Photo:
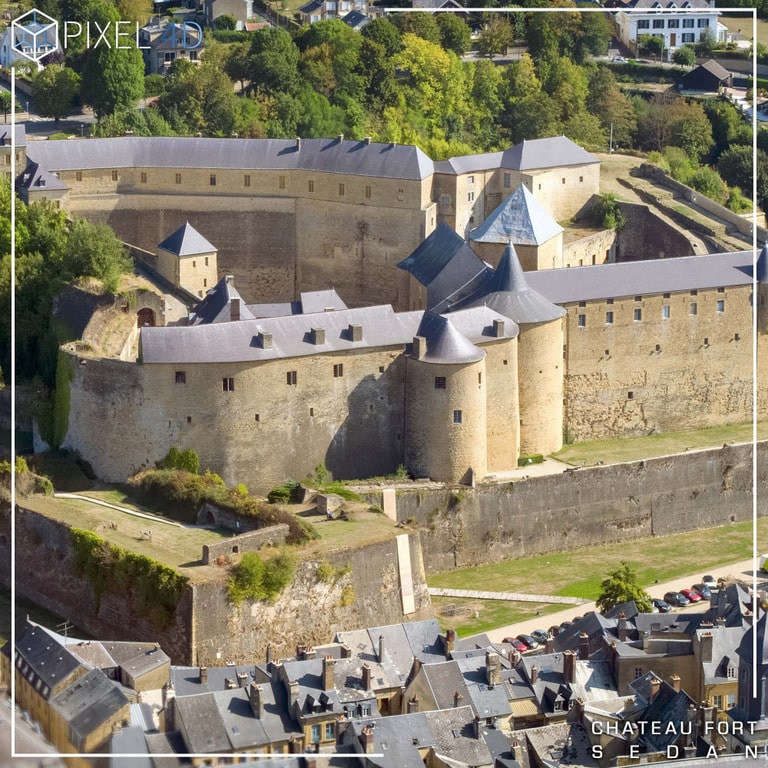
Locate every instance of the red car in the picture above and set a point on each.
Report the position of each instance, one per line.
(694, 597)
(518, 645)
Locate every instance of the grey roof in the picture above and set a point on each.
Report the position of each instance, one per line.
(186, 241)
(356, 19)
(669, 4)
(714, 68)
(643, 277)
(164, 747)
(434, 253)
(198, 717)
(469, 163)
(445, 344)
(321, 301)
(725, 641)
(129, 741)
(555, 152)
(88, 702)
(486, 701)
(47, 660)
(310, 7)
(35, 177)
(508, 292)
(445, 680)
(276, 309)
(216, 307)
(667, 706)
(20, 134)
(453, 730)
(394, 161)
(520, 219)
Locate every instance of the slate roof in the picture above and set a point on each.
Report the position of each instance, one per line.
(34, 176)
(394, 161)
(486, 701)
(47, 660)
(321, 301)
(129, 741)
(469, 163)
(762, 265)
(434, 253)
(445, 680)
(668, 706)
(186, 241)
(198, 717)
(216, 306)
(445, 344)
(508, 292)
(312, 6)
(555, 152)
(20, 133)
(643, 277)
(356, 19)
(455, 739)
(725, 641)
(521, 219)
(669, 4)
(715, 68)
(88, 702)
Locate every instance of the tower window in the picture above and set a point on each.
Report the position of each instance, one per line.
(311, 185)
(693, 309)
(507, 181)
(178, 178)
(247, 180)
(582, 321)
(114, 175)
(290, 378)
(609, 301)
(665, 312)
(341, 190)
(368, 192)
(638, 315)
(457, 417)
(721, 306)
(281, 182)
(338, 370)
(439, 382)
(609, 318)
(212, 180)
(228, 384)
(181, 377)
(143, 177)
(630, 395)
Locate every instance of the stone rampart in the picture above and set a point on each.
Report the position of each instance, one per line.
(252, 541)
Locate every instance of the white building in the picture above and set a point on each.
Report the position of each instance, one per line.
(679, 23)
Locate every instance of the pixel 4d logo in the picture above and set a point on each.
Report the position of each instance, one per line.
(35, 35)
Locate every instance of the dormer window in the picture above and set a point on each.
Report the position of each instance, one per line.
(730, 672)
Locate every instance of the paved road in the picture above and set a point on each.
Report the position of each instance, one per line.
(741, 570)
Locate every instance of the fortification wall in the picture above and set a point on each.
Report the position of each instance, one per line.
(253, 541)
(502, 404)
(691, 369)
(646, 236)
(598, 248)
(579, 508)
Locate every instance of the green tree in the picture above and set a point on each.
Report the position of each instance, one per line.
(274, 61)
(685, 56)
(735, 167)
(423, 25)
(185, 461)
(225, 21)
(455, 34)
(495, 36)
(650, 45)
(54, 90)
(692, 131)
(112, 79)
(385, 33)
(606, 100)
(5, 104)
(620, 586)
(236, 64)
(92, 250)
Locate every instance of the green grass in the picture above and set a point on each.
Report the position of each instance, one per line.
(650, 446)
(743, 23)
(578, 573)
(490, 614)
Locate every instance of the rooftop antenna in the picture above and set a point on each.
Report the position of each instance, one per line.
(64, 627)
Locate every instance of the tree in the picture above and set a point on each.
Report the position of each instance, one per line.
(606, 100)
(5, 104)
(692, 131)
(385, 33)
(422, 25)
(495, 36)
(620, 586)
(735, 166)
(54, 90)
(112, 79)
(135, 10)
(274, 61)
(685, 56)
(650, 45)
(92, 250)
(225, 21)
(455, 34)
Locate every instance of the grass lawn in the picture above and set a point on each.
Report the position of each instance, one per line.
(650, 446)
(578, 573)
(743, 23)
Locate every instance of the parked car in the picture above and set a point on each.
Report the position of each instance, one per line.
(660, 606)
(710, 581)
(703, 590)
(619, 59)
(693, 597)
(676, 598)
(531, 642)
(540, 636)
(555, 630)
(516, 644)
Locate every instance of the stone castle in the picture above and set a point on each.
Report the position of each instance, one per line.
(483, 362)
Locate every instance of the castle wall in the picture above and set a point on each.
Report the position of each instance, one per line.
(599, 248)
(125, 417)
(563, 191)
(548, 255)
(591, 506)
(631, 377)
(646, 236)
(502, 405)
(445, 432)
(540, 373)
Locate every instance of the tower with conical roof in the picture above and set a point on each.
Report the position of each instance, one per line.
(445, 431)
(187, 260)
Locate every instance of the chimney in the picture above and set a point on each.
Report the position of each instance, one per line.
(266, 340)
(203, 678)
(242, 679)
(293, 694)
(675, 680)
(234, 308)
(367, 141)
(415, 669)
(450, 634)
(578, 711)
(622, 627)
(720, 612)
(583, 646)
(492, 669)
(514, 656)
(229, 683)
(419, 347)
(413, 705)
(355, 332)
(381, 649)
(498, 328)
(705, 646)
(476, 727)
(655, 685)
(457, 697)
(534, 674)
(298, 142)
(318, 336)
(569, 666)
(229, 279)
(549, 643)
(257, 702)
(366, 739)
(367, 677)
(293, 745)
(328, 683)
(310, 654)
(346, 652)
(341, 137)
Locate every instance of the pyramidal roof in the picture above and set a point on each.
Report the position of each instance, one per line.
(521, 219)
(186, 241)
(216, 306)
(507, 292)
(445, 344)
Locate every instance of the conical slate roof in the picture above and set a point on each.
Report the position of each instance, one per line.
(444, 343)
(762, 265)
(520, 219)
(507, 292)
(186, 241)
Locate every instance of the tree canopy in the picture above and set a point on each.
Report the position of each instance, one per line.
(621, 586)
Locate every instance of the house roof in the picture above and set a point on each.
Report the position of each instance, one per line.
(200, 721)
(312, 6)
(445, 344)
(35, 177)
(46, 659)
(521, 219)
(186, 241)
(20, 134)
(320, 301)
(555, 152)
(682, 5)
(725, 642)
(356, 19)
(394, 161)
(643, 277)
(434, 253)
(715, 68)
(216, 307)
(486, 701)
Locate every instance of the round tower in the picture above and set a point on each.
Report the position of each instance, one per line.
(445, 432)
(762, 290)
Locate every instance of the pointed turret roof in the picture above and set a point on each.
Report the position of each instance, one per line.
(445, 344)
(186, 241)
(520, 219)
(507, 292)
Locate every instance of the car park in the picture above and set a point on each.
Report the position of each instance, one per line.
(693, 597)
(703, 590)
(710, 581)
(516, 644)
(530, 641)
(555, 630)
(677, 599)
(661, 606)
(539, 635)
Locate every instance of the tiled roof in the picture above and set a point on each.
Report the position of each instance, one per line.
(555, 152)
(520, 219)
(186, 241)
(394, 161)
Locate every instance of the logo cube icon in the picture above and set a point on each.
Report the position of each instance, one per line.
(34, 35)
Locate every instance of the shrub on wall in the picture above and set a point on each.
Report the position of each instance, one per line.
(254, 579)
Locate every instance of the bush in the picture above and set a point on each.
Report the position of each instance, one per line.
(154, 85)
(253, 579)
(57, 136)
(186, 460)
(531, 458)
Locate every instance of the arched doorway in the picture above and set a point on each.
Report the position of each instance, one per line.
(145, 317)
